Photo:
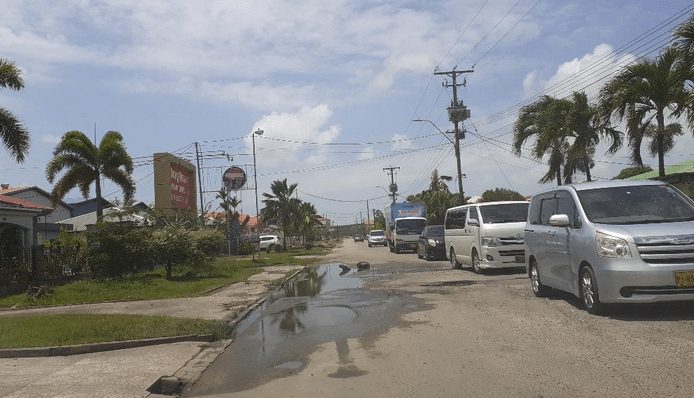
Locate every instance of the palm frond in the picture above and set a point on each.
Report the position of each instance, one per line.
(13, 135)
(10, 75)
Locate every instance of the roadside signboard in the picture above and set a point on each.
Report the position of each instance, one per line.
(234, 178)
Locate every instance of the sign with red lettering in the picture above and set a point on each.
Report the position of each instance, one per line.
(182, 189)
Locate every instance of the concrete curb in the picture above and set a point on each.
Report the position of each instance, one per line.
(189, 373)
(97, 347)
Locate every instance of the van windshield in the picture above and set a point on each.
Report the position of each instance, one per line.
(410, 227)
(502, 213)
(636, 205)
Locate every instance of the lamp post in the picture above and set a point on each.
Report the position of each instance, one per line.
(255, 179)
(456, 143)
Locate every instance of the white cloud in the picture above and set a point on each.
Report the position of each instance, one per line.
(586, 73)
(49, 139)
(226, 49)
(401, 142)
(287, 133)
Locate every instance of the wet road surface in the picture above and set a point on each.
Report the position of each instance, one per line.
(323, 304)
(412, 328)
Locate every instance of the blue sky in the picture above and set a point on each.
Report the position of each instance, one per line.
(168, 73)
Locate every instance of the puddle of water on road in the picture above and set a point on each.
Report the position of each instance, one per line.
(320, 306)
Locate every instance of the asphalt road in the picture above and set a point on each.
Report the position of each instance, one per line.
(411, 328)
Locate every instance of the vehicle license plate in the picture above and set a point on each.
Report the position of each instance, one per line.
(684, 279)
(520, 259)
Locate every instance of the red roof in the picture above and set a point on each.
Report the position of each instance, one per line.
(9, 201)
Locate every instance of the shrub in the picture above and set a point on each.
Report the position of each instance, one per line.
(210, 242)
(174, 248)
(118, 249)
(65, 256)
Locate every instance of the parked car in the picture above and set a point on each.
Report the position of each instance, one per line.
(612, 242)
(268, 242)
(377, 238)
(432, 244)
(486, 235)
(358, 238)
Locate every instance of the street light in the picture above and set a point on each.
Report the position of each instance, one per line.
(455, 143)
(255, 179)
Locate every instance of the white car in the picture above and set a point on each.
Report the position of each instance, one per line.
(377, 238)
(268, 241)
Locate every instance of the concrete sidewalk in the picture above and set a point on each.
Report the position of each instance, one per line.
(120, 373)
(129, 372)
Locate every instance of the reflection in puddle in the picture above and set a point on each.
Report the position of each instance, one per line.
(321, 306)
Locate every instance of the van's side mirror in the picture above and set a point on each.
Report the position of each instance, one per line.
(473, 223)
(559, 220)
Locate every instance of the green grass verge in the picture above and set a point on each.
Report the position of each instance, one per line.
(69, 329)
(152, 285)
(145, 286)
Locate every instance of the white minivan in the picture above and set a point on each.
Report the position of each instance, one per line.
(486, 235)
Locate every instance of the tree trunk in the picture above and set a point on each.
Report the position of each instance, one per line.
(588, 176)
(97, 189)
(168, 271)
(559, 176)
(661, 151)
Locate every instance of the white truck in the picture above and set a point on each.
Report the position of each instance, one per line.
(404, 224)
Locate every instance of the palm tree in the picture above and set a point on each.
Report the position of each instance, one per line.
(544, 120)
(84, 163)
(439, 183)
(585, 124)
(281, 206)
(671, 131)
(644, 91)
(12, 133)
(308, 219)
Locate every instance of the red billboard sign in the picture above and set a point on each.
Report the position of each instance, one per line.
(182, 187)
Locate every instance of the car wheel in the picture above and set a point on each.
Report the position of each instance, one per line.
(539, 290)
(476, 263)
(454, 261)
(589, 291)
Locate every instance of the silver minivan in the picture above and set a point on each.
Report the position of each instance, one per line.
(486, 235)
(612, 242)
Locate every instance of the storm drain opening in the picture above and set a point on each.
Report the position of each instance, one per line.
(167, 385)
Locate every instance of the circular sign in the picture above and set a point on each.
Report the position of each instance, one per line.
(234, 177)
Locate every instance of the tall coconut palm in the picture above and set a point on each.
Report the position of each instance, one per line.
(585, 124)
(281, 206)
(308, 219)
(544, 121)
(13, 135)
(84, 163)
(645, 91)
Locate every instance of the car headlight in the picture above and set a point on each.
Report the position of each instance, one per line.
(612, 246)
(491, 241)
(432, 242)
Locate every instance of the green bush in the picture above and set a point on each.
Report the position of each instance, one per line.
(64, 256)
(210, 242)
(115, 250)
(175, 249)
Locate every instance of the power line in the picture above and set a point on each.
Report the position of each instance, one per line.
(507, 32)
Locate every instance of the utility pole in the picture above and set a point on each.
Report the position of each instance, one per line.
(393, 186)
(197, 161)
(457, 113)
(368, 215)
